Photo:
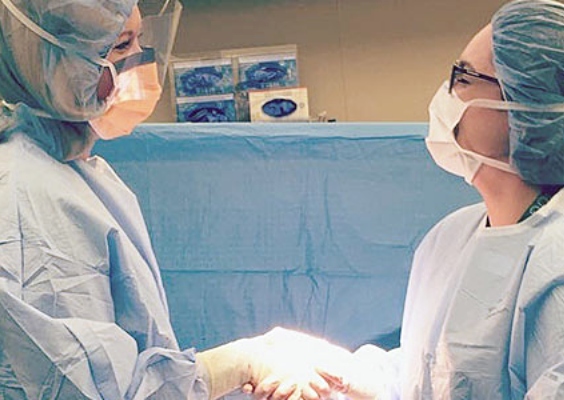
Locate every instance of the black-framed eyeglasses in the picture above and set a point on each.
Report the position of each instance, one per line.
(459, 69)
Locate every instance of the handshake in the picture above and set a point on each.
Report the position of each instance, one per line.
(285, 364)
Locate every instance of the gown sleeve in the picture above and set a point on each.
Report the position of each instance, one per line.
(62, 358)
(544, 343)
(378, 369)
(83, 313)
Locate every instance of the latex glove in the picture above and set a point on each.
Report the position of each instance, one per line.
(269, 366)
(305, 353)
(364, 376)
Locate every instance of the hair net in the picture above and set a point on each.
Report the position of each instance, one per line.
(528, 52)
(59, 79)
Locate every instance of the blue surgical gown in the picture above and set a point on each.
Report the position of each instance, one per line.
(83, 313)
(484, 312)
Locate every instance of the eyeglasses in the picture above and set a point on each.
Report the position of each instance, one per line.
(458, 70)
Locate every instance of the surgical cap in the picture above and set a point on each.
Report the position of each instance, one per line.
(528, 55)
(58, 79)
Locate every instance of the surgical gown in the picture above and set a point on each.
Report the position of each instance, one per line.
(484, 312)
(83, 314)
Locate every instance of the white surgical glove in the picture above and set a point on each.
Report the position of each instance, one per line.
(273, 365)
(306, 354)
(363, 376)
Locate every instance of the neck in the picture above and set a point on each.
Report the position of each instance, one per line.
(80, 145)
(505, 194)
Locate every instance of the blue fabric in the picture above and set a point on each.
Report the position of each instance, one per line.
(311, 226)
(483, 314)
(83, 313)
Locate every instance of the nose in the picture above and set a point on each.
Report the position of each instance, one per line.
(135, 46)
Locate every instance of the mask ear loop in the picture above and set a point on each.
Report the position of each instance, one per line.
(492, 162)
(513, 106)
(508, 106)
(504, 105)
(497, 105)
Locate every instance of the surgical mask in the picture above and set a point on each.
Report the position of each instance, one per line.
(134, 97)
(445, 112)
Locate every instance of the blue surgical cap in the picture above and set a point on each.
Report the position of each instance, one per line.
(528, 55)
(59, 79)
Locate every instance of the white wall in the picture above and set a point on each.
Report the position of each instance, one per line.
(362, 60)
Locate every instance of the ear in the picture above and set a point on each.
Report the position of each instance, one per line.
(105, 84)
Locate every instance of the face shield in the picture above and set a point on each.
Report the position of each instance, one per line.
(136, 80)
(53, 52)
(160, 23)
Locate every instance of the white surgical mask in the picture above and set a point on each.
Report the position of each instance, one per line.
(445, 111)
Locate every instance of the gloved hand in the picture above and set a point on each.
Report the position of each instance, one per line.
(277, 365)
(301, 353)
(361, 376)
(364, 376)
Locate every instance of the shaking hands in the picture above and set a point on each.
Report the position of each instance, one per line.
(293, 365)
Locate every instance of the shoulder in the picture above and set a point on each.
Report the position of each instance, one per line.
(455, 228)
(9, 229)
(545, 262)
(473, 214)
(547, 246)
(98, 166)
(443, 244)
(25, 169)
(41, 178)
(46, 193)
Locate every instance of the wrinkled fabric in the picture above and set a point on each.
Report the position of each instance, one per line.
(83, 313)
(59, 79)
(528, 55)
(484, 310)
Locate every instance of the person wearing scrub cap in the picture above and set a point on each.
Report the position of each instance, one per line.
(484, 311)
(83, 313)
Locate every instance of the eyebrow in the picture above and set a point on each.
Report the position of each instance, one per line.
(465, 64)
(126, 34)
